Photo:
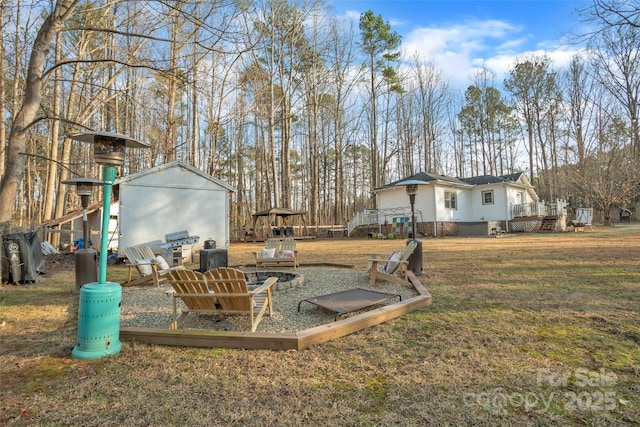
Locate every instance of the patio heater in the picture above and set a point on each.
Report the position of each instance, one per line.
(99, 309)
(86, 258)
(415, 259)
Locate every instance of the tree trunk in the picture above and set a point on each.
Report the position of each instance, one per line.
(195, 119)
(170, 145)
(3, 96)
(374, 129)
(28, 112)
(53, 140)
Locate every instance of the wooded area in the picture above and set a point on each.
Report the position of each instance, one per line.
(299, 108)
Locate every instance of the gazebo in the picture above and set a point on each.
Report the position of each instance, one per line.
(279, 228)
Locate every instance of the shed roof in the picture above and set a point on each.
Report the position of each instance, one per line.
(173, 164)
(70, 216)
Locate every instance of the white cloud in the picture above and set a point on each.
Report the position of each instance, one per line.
(461, 49)
(395, 22)
(456, 48)
(512, 44)
(352, 14)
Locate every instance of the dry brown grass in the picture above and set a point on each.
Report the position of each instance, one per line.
(523, 330)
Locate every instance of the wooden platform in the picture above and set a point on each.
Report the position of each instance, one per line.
(264, 239)
(271, 341)
(300, 264)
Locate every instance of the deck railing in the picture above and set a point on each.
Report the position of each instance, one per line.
(538, 208)
(365, 217)
(379, 216)
(533, 209)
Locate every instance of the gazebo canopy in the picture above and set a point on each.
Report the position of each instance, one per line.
(284, 213)
(279, 212)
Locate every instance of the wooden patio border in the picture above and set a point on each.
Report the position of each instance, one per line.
(272, 341)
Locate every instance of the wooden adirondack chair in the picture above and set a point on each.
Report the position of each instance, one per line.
(389, 267)
(150, 268)
(230, 287)
(191, 287)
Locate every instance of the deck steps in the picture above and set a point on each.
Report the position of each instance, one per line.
(548, 224)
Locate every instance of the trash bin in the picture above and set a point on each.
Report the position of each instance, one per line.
(86, 267)
(14, 266)
(213, 258)
(23, 259)
(415, 259)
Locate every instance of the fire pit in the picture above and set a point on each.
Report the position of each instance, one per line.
(286, 279)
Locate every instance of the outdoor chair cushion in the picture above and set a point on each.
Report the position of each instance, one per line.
(161, 263)
(388, 267)
(287, 254)
(144, 267)
(392, 263)
(268, 253)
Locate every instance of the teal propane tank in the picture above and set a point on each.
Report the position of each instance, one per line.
(98, 321)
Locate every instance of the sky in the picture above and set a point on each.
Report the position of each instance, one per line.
(461, 36)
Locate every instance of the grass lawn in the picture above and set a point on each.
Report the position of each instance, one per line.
(528, 329)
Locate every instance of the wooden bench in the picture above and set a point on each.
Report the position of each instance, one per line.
(334, 232)
(284, 254)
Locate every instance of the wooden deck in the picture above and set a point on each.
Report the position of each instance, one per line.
(263, 239)
(270, 341)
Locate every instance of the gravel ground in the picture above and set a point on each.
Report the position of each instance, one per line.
(152, 307)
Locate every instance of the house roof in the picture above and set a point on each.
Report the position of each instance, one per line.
(517, 179)
(490, 179)
(175, 163)
(426, 178)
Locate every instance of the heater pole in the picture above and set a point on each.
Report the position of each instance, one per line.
(99, 308)
(108, 177)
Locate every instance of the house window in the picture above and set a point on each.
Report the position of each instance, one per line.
(450, 200)
(487, 197)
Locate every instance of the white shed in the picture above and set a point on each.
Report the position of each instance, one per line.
(171, 198)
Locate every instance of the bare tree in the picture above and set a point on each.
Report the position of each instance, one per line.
(27, 113)
(432, 93)
(609, 177)
(612, 13)
(578, 89)
(340, 61)
(53, 137)
(3, 92)
(615, 58)
(533, 85)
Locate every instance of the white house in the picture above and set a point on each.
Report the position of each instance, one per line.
(171, 198)
(455, 206)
